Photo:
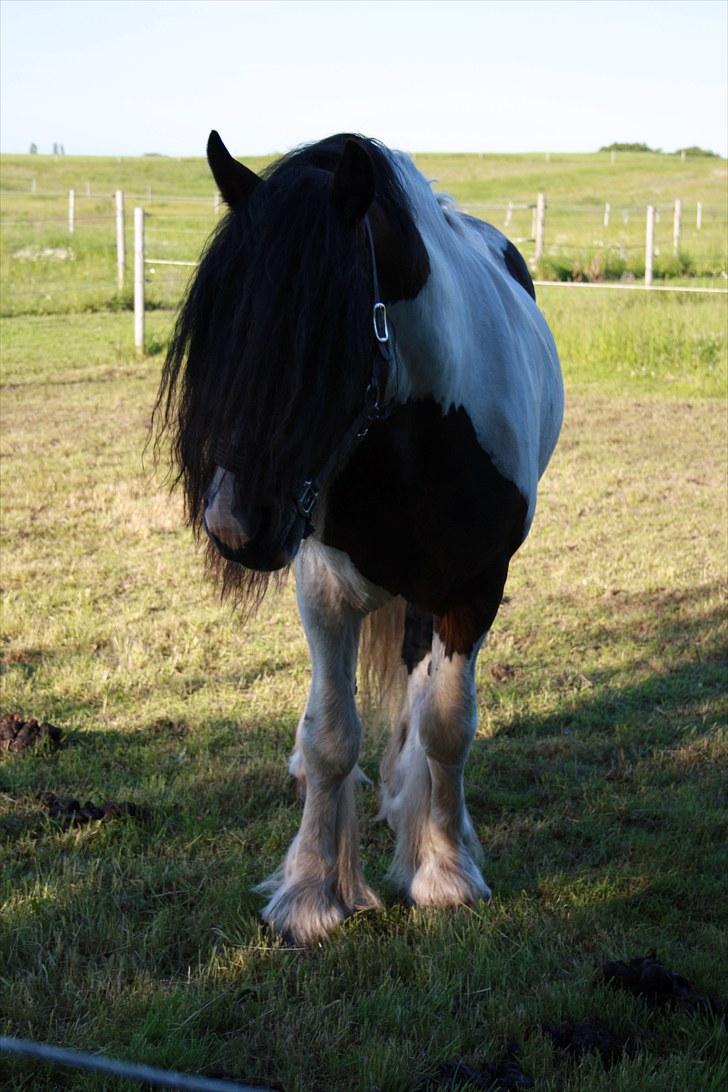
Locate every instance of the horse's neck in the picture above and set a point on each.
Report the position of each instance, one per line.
(435, 333)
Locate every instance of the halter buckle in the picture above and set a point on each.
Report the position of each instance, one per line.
(379, 320)
(307, 500)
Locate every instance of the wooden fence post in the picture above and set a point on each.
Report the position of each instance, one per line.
(216, 203)
(677, 225)
(120, 240)
(509, 214)
(699, 216)
(33, 184)
(607, 210)
(649, 244)
(540, 225)
(71, 211)
(139, 280)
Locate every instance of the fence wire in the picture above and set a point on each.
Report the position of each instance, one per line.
(74, 271)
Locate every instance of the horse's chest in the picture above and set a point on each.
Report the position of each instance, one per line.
(422, 511)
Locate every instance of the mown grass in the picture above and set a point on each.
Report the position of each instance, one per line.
(597, 781)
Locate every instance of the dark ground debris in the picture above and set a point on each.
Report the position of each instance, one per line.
(503, 672)
(591, 1036)
(645, 977)
(19, 734)
(69, 812)
(458, 1075)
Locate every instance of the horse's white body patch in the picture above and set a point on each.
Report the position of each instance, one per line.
(339, 577)
(474, 338)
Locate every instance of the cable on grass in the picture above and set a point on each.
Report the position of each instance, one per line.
(99, 1063)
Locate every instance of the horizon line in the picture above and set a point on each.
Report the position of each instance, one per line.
(703, 153)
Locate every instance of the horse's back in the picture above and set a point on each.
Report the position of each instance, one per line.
(513, 260)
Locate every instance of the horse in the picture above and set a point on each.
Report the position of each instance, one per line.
(360, 385)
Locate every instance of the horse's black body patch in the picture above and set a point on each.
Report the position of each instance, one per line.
(516, 266)
(417, 641)
(422, 511)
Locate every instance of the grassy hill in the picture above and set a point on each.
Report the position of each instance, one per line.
(633, 177)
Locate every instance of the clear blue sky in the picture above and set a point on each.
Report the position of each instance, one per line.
(131, 76)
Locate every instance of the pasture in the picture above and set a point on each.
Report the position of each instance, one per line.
(597, 781)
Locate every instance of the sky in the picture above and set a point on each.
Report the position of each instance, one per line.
(128, 77)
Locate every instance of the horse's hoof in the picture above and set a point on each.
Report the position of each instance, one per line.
(444, 882)
(304, 913)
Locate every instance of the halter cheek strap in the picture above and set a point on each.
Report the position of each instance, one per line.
(373, 409)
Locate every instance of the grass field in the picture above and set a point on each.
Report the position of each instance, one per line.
(597, 781)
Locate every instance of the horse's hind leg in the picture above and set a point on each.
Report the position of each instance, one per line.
(437, 854)
(321, 882)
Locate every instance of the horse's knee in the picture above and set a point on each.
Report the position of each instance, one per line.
(330, 746)
(446, 735)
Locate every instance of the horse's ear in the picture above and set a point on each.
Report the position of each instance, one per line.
(354, 183)
(234, 181)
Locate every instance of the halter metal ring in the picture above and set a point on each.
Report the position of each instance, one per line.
(306, 502)
(379, 319)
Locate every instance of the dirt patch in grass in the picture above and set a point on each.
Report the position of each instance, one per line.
(645, 977)
(504, 672)
(505, 1075)
(69, 812)
(590, 1036)
(19, 734)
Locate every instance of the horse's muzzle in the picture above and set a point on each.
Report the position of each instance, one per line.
(264, 538)
(264, 557)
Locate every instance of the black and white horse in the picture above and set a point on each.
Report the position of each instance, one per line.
(360, 380)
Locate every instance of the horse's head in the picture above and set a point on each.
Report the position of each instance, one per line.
(271, 363)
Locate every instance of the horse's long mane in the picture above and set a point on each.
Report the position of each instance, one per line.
(272, 349)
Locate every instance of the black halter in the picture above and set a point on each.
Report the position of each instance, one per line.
(373, 410)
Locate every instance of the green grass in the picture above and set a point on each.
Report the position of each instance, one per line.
(619, 342)
(596, 782)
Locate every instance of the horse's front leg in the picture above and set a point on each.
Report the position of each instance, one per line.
(437, 855)
(320, 882)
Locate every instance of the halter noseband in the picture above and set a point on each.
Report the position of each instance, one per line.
(373, 410)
